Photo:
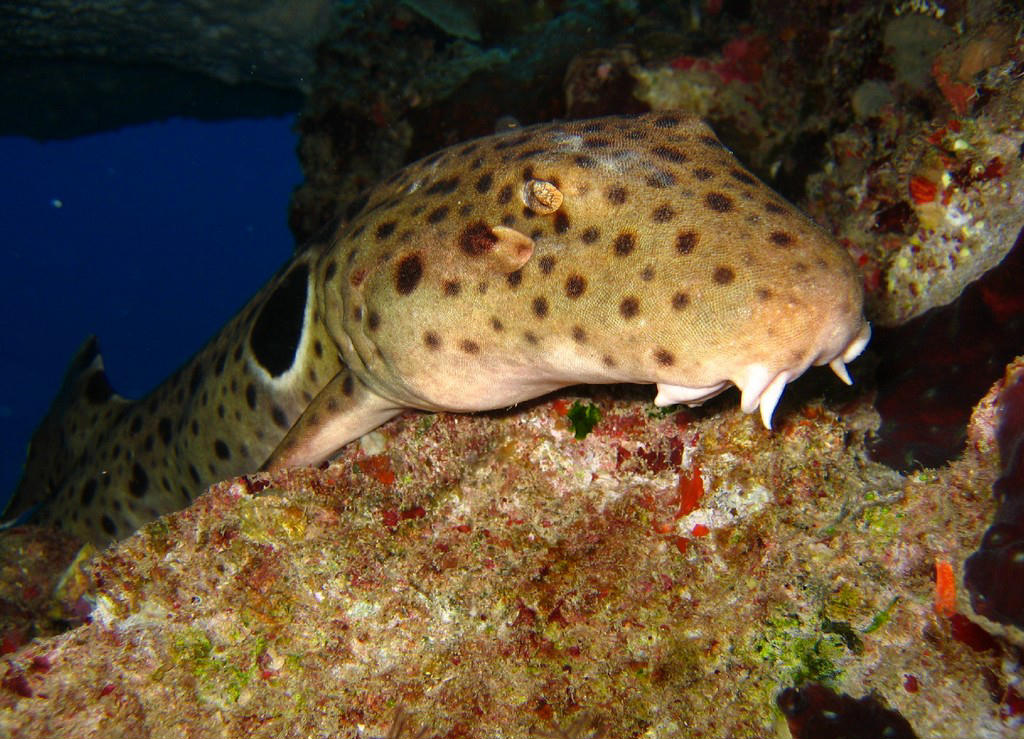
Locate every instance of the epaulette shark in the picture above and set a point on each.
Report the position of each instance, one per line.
(623, 249)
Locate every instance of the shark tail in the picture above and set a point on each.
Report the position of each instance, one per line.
(84, 408)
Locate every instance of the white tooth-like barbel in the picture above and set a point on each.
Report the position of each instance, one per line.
(840, 369)
(624, 249)
(770, 398)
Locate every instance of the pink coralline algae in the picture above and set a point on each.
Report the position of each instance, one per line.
(994, 574)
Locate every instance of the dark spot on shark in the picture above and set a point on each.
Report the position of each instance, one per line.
(629, 307)
(617, 195)
(220, 448)
(438, 214)
(250, 396)
(670, 154)
(275, 335)
(723, 275)
(530, 153)
(477, 239)
(625, 242)
(108, 525)
(663, 213)
(664, 357)
(196, 378)
(164, 429)
(686, 241)
(278, 416)
(660, 179)
(740, 176)
(575, 285)
(138, 483)
(88, 492)
(408, 273)
(540, 307)
(443, 187)
(561, 222)
(718, 202)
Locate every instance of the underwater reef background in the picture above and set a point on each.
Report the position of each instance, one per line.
(665, 573)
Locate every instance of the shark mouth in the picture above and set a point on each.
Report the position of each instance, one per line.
(761, 387)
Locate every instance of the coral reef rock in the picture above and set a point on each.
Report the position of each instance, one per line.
(670, 574)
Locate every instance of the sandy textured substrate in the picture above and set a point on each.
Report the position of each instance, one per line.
(666, 576)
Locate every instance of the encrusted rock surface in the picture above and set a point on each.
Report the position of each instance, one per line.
(667, 576)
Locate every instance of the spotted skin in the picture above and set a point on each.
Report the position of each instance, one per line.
(626, 249)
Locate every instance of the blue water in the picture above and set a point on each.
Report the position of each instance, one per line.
(150, 237)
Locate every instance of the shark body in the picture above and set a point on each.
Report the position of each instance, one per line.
(624, 249)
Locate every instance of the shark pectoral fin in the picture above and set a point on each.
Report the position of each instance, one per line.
(344, 410)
